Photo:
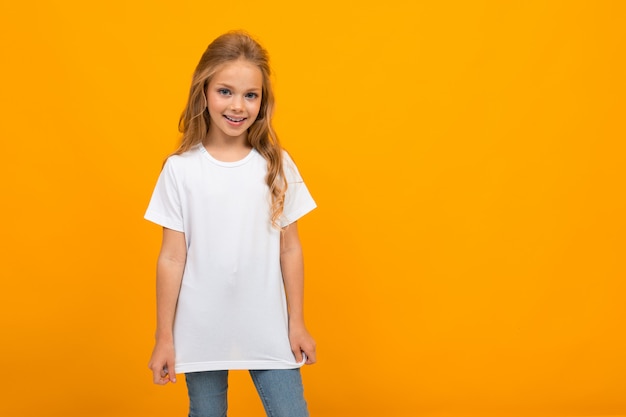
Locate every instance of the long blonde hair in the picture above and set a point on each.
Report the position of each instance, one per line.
(195, 120)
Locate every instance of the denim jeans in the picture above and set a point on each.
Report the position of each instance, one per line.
(280, 390)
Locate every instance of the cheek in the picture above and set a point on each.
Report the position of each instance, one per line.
(212, 99)
(214, 104)
(255, 109)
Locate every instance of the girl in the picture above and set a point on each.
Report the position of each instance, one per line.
(230, 272)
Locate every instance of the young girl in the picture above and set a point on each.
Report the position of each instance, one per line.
(230, 272)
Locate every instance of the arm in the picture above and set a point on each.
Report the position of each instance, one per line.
(292, 266)
(170, 266)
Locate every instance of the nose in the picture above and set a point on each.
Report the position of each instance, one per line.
(237, 103)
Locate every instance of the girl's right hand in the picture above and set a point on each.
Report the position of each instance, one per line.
(162, 363)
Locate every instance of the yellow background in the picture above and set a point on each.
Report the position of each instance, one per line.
(467, 255)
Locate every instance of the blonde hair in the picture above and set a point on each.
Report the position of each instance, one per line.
(195, 120)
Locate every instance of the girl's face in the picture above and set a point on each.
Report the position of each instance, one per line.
(234, 100)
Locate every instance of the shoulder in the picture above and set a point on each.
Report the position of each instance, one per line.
(287, 159)
(290, 169)
(178, 162)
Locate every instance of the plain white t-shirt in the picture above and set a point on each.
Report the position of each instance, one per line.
(231, 311)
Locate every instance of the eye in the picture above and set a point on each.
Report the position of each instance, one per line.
(223, 91)
(251, 96)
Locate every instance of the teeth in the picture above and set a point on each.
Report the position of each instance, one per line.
(235, 120)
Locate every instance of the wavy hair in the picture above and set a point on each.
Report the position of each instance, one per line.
(195, 120)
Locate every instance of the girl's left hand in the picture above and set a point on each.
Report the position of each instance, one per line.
(302, 342)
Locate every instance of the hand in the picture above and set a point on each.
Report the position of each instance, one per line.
(302, 342)
(162, 363)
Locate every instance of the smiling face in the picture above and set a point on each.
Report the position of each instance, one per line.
(233, 100)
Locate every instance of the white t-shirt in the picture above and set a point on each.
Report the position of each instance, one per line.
(231, 311)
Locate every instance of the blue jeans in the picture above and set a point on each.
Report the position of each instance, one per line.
(280, 390)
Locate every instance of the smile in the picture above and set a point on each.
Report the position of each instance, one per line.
(235, 120)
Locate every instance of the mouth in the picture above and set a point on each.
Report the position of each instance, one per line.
(235, 119)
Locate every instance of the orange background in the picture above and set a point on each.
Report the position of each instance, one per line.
(467, 255)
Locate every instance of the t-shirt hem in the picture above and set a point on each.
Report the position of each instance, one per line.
(163, 221)
(297, 215)
(185, 368)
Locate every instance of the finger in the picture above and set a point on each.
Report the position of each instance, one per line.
(311, 355)
(297, 352)
(157, 376)
(171, 371)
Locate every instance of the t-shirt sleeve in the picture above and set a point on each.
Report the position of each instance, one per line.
(298, 200)
(165, 208)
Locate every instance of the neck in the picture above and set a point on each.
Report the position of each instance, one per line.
(227, 148)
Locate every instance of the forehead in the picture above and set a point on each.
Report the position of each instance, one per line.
(240, 73)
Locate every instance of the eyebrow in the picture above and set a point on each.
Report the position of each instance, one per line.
(232, 88)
